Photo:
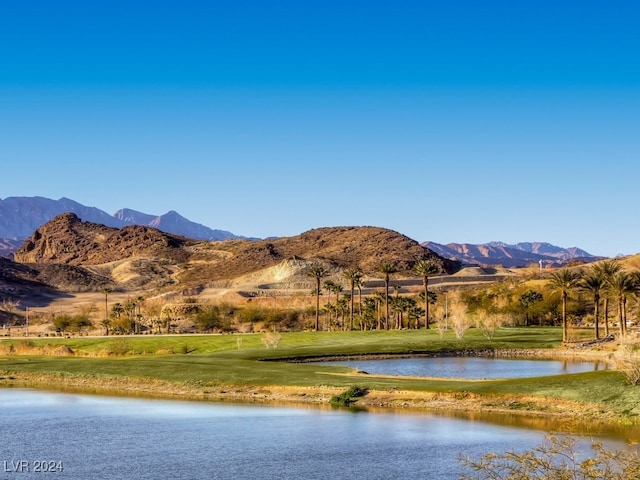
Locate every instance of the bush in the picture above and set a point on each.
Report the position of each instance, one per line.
(558, 458)
(121, 346)
(349, 396)
(627, 360)
(271, 339)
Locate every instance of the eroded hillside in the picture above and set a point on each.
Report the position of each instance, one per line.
(75, 255)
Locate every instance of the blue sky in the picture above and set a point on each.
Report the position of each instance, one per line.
(459, 121)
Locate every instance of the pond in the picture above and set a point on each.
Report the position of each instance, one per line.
(468, 367)
(93, 437)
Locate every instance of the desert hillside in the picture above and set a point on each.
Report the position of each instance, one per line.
(72, 255)
(68, 240)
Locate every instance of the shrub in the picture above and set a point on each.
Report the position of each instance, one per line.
(627, 360)
(121, 346)
(349, 396)
(271, 339)
(558, 458)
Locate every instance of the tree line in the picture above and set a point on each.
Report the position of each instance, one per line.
(600, 295)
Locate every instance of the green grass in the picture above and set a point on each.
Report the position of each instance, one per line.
(226, 360)
(307, 344)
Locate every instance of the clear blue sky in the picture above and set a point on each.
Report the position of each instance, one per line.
(462, 121)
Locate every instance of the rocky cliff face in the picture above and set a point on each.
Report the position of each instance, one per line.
(68, 240)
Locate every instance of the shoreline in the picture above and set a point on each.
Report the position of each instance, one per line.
(526, 411)
(532, 411)
(524, 408)
(567, 353)
(389, 399)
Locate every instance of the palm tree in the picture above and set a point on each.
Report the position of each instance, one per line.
(337, 288)
(331, 287)
(105, 323)
(621, 285)
(318, 272)
(106, 291)
(396, 290)
(353, 275)
(607, 268)
(564, 280)
(369, 309)
(386, 269)
(379, 299)
(594, 283)
(359, 285)
(139, 301)
(424, 268)
(527, 299)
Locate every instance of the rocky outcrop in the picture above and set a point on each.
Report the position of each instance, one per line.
(337, 247)
(68, 240)
(20, 216)
(135, 257)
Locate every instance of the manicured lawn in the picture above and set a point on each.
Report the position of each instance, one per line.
(310, 343)
(240, 360)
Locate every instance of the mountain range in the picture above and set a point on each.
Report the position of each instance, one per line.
(516, 255)
(21, 216)
(69, 255)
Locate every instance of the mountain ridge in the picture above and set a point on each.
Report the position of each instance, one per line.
(71, 250)
(511, 255)
(21, 216)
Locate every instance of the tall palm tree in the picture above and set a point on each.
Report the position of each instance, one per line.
(607, 268)
(379, 299)
(337, 289)
(318, 272)
(359, 285)
(621, 285)
(331, 287)
(594, 283)
(353, 275)
(106, 291)
(564, 281)
(424, 268)
(386, 269)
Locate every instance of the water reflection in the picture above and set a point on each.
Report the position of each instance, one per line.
(469, 367)
(122, 438)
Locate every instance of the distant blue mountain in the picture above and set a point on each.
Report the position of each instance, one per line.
(517, 255)
(21, 216)
(173, 222)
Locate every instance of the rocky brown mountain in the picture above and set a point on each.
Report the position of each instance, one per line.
(341, 247)
(68, 240)
(143, 257)
(20, 216)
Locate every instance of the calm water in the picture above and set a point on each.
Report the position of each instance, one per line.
(120, 438)
(469, 367)
(94, 437)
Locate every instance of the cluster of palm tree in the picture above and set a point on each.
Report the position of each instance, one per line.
(605, 281)
(399, 305)
(123, 317)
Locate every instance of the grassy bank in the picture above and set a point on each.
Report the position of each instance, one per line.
(236, 368)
